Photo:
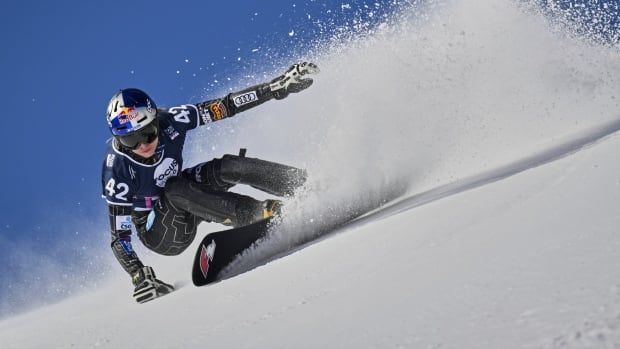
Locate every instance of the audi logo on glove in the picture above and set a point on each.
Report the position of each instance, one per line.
(245, 98)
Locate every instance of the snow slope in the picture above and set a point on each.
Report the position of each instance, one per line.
(528, 261)
(499, 139)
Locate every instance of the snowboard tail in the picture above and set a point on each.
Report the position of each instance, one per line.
(219, 249)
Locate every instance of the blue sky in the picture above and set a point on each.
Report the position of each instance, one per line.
(61, 62)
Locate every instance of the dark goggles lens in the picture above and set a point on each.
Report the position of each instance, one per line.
(144, 135)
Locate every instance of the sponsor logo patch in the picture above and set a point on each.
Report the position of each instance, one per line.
(245, 98)
(126, 246)
(123, 223)
(205, 115)
(171, 132)
(206, 257)
(126, 114)
(110, 160)
(169, 167)
(218, 111)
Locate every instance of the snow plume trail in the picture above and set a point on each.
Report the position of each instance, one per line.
(447, 91)
(573, 145)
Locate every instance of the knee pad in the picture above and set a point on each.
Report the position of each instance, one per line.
(208, 174)
(231, 168)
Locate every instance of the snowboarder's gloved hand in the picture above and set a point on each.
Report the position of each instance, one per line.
(148, 287)
(291, 81)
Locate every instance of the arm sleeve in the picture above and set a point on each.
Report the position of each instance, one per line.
(118, 190)
(233, 103)
(120, 228)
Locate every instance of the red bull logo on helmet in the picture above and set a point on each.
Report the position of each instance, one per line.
(126, 114)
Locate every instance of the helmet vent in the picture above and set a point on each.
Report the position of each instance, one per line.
(142, 119)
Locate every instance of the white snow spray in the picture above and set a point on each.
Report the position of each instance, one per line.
(441, 91)
(43, 271)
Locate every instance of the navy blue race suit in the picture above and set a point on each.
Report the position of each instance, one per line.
(164, 203)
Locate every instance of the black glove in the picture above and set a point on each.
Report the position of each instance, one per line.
(291, 81)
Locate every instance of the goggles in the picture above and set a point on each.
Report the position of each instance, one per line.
(144, 135)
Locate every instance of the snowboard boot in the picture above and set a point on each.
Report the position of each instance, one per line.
(147, 286)
(251, 211)
(272, 208)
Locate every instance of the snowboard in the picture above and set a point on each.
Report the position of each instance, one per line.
(219, 249)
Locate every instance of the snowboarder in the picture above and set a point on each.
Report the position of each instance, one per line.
(148, 190)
